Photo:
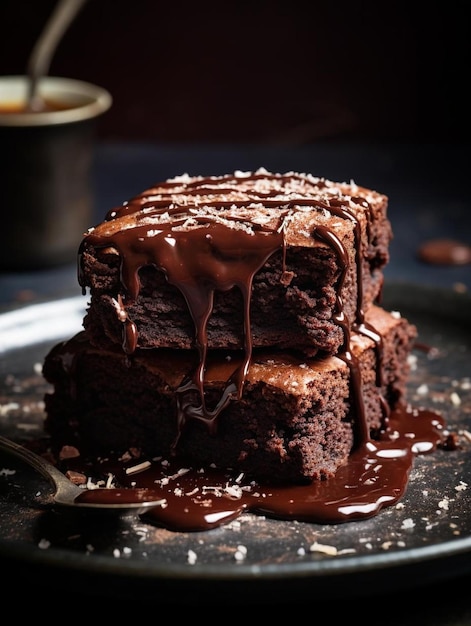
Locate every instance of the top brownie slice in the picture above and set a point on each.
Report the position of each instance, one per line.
(250, 259)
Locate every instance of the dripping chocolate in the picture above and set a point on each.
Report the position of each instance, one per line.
(235, 325)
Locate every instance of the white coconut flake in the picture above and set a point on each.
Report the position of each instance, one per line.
(191, 557)
(408, 524)
(323, 548)
(140, 467)
(466, 434)
(422, 390)
(9, 406)
(183, 178)
(7, 472)
(455, 399)
(241, 553)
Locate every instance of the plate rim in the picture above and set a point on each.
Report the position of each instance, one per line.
(339, 565)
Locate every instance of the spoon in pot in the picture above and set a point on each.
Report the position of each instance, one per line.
(43, 51)
(67, 494)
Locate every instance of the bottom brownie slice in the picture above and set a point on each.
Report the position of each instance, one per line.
(296, 421)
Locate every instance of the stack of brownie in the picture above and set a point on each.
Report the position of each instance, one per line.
(234, 321)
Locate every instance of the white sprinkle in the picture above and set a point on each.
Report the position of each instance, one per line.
(407, 524)
(325, 549)
(140, 467)
(44, 544)
(109, 481)
(466, 434)
(235, 525)
(240, 553)
(191, 557)
(422, 390)
(455, 399)
(10, 406)
(7, 472)
(125, 457)
(233, 491)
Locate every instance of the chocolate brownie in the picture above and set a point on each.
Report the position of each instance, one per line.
(296, 419)
(247, 259)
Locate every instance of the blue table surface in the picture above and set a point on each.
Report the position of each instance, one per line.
(426, 185)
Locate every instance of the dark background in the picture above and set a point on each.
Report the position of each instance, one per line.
(261, 71)
(312, 75)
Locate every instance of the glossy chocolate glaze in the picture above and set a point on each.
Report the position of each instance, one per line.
(179, 228)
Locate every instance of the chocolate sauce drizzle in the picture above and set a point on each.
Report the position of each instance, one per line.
(223, 258)
(200, 252)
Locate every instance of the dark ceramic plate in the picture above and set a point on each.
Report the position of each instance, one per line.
(426, 538)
